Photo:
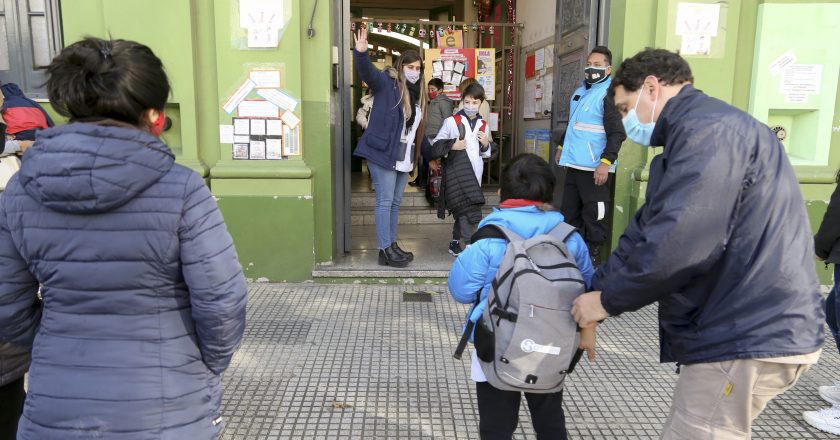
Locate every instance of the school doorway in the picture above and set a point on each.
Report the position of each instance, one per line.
(451, 50)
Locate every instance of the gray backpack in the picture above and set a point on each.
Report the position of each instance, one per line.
(526, 339)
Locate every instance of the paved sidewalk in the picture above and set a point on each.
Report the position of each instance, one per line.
(356, 362)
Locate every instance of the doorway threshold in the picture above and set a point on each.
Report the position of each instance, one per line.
(428, 242)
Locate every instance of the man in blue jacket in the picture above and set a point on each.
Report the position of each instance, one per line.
(589, 151)
(723, 243)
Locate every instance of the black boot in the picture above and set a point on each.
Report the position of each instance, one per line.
(408, 255)
(390, 257)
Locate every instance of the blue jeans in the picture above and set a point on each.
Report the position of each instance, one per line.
(832, 307)
(389, 186)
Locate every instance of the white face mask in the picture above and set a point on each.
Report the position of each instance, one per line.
(471, 110)
(411, 75)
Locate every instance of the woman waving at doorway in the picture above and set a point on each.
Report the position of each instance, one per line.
(393, 139)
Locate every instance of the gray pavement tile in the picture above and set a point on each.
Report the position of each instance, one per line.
(357, 362)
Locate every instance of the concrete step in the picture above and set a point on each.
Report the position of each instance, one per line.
(410, 199)
(409, 215)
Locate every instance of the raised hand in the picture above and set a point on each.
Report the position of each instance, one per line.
(361, 38)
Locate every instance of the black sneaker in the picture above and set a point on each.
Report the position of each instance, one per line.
(454, 248)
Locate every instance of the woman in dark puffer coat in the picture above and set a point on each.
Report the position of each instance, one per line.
(143, 295)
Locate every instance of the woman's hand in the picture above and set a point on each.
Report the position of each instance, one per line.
(434, 165)
(361, 38)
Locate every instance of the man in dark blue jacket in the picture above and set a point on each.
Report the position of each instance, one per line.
(723, 244)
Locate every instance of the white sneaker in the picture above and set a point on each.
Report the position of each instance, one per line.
(827, 419)
(831, 393)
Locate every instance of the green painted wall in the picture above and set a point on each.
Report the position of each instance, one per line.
(279, 212)
(726, 74)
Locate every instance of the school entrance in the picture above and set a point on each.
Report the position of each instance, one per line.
(457, 39)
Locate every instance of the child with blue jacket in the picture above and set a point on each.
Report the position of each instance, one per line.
(527, 186)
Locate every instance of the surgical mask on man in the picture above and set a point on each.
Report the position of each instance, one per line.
(593, 74)
(471, 110)
(636, 131)
(412, 75)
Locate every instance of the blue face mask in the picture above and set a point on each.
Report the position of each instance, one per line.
(636, 131)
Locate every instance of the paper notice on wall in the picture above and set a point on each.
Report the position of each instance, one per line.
(456, 78)
(258, 109)
(291, 141)
(437, 68)
(530, 99)
(225, 134)
(241, 93)
(459, 67)
(539, 59)
(263, 37)
(548, 89)
(241, 127)
(538, 91)
(290, 119)
(257, 127)
(278, 98)
(240, 151)
(241, 139)
(266, 78)
(696, 45)
(779, 64)
(549, 56)
(486, 71)
(274, 149)
(274, 127)
(796, 98)
(698, 19)
(256, 150)
(801, 79)
(494, 121)
(261, 13)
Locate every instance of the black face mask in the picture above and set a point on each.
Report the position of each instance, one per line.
(594, 75)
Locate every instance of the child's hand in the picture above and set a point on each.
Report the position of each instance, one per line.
(460, 144)
(482, 138)
(587, 342)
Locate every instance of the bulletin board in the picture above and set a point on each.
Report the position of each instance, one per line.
(263, 120)
(453, 65)
(539, 83)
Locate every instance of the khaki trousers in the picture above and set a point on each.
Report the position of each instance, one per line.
(720, 400)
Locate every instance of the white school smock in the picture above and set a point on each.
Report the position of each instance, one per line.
(449, 130)
(406, 165)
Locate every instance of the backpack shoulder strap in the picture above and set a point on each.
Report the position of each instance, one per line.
(495, 231)
(563, 231)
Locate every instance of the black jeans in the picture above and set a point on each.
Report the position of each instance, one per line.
(463, 229)
(11, 406)
(498, 413)
(586, 205)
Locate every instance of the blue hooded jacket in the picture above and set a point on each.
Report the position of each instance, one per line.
(143, 295)
(475, 268)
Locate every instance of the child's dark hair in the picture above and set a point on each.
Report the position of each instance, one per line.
(474, 91)
(115, 79)
(436, 82)
(528, 177)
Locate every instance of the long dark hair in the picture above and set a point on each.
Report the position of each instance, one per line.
(116, 79)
